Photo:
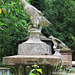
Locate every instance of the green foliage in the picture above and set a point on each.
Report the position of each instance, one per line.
(61, 14)
(13, 27)
(64, 70)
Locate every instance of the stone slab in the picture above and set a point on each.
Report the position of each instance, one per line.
(31, 59)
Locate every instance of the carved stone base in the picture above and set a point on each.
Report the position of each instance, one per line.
(19, 63)
(25, 70)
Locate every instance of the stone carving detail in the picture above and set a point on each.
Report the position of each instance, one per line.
(34, 46)
(58, 44)
(36, 17)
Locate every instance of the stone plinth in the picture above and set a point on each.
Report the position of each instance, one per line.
(33, 46)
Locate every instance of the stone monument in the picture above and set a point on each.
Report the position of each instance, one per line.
(33, 51)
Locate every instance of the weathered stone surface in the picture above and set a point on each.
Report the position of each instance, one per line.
(33, 46)
(58, 43)
(31, 59)
(33, 49)
(36, 17)
(67, 54)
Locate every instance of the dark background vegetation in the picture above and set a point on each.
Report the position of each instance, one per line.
(13, 23)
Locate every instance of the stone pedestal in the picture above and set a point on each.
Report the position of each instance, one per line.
(33, 46)
(32, 52)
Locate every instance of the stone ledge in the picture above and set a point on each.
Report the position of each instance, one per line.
(32, 59)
